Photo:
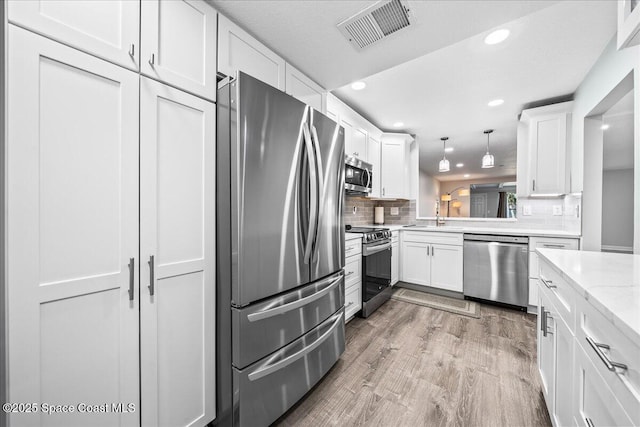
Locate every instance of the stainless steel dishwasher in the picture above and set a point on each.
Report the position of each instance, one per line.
(496, 268)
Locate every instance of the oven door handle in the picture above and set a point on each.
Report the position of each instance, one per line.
(370, 250)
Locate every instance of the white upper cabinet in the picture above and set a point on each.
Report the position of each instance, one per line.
(107, 29)
(359, 144)
(72, 229)
(306, 90)
(628, 23)
(179, 45)
(238, 50)
(547, 134)
(394, 160)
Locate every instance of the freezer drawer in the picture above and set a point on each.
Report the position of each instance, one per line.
(262, 328)
(268, 388)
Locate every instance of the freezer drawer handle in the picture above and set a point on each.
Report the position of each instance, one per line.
(265, 314)
(611, 365)
(260, 373)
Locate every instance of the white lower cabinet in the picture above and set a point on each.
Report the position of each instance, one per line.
(536, 242)
(353, 277)
(92, 195)
(432, 259)
(395, 258)
(574, 342)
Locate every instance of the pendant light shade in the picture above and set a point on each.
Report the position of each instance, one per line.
(443, 166)
(488, 160)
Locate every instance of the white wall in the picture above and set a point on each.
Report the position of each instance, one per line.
(586, 150)
(429, 189)
(617, 208)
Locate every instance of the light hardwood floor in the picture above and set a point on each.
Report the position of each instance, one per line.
(409, 365)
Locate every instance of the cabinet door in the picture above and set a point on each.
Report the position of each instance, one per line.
(392, 158)
(359, 144)
(72, 226)
(446, 267)
(564, 366)
(179, 44)
(177, 216)
(373, 157)
(107, 29)
(548, 156)
(416, 266)
(395, 263)
(349, 146)
(306, 90)
(546, 350)
(237, 50)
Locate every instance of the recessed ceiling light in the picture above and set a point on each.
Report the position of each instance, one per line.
(495, 102)
(466, 175)
(459, 165)
(448, 149)
(358, 85)
(398, 124)
(604, 127)
(497, 36)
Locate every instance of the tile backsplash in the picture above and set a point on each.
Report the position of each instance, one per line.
(364, 211)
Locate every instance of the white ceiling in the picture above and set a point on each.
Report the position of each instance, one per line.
(618, 139)
(437, 76)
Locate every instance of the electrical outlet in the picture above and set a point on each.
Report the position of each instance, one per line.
(557, 210)
(395, 211)
(355, 210)
(526, 210)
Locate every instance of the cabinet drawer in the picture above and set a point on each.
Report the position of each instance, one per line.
(625, 384)
(560, 292)
(548, 243)
(434, 237)
(353, 270)
(352, 301)
(352, 247)
(598, 404)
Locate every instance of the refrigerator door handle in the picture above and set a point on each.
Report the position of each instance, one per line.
(336, 321)
(333, 282)
(313, 219)
(320, 174)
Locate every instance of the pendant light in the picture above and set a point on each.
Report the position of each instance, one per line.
(487, 159)
(444, 163)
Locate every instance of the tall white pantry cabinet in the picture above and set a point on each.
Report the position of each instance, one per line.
(110, 211)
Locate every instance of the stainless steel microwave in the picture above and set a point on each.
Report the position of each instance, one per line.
(358, 176)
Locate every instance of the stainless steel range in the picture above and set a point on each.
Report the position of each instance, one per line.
(376, 267)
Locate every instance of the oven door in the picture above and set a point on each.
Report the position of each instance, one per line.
(376, 269)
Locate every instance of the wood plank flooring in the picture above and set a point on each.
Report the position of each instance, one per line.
(409, 365)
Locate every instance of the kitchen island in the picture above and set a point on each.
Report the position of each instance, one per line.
(589, 336)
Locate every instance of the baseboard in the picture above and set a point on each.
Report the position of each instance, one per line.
(617, 249)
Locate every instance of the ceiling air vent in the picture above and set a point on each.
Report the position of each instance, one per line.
(375, 23)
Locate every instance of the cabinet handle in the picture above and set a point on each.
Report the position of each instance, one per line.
(132, 275)
(428, 250)
(132, 49)
(545, 318)
(542, 318)
(383, 191)
(350, 249)
(611, 365)
(349, 274)
(547, 283)
(552, 245)
(534, 185)
(152, 60)
(350, 304)
(433, 251)
(152, 281)
(356, 154)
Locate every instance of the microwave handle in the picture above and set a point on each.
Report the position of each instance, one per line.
(368, 178)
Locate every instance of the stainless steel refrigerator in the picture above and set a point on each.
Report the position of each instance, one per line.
(280, 250)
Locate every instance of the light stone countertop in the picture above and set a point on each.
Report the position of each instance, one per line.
(511, 231)
(610, 282)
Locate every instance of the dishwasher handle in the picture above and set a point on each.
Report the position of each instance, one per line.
(494, 238)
